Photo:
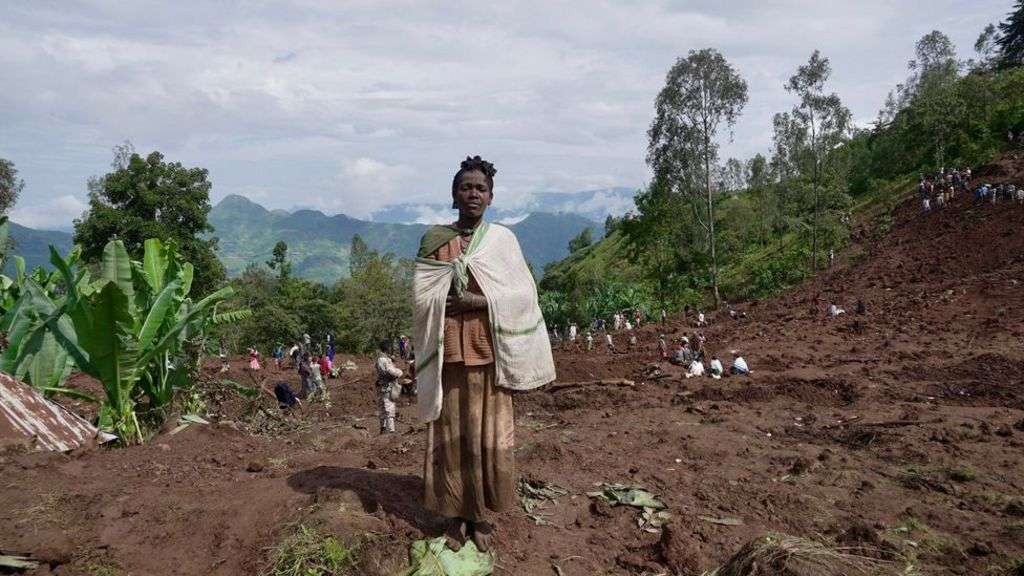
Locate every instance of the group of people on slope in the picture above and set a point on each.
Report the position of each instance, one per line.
(627, 320)
(691, 353)
(939, 190)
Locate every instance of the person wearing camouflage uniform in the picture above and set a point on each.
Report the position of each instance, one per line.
(387, 377)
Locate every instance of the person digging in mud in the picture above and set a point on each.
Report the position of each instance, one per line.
(715, 369)
(682, 355)
(697, 350)
(696, 369)
(739, 365)
(482, 335)
(388, 376)
(305, 382)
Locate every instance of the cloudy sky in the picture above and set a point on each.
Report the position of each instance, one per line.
(350, 105)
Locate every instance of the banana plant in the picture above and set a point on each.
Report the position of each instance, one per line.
(123, 337)
(32, 353)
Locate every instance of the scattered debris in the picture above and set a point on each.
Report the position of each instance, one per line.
(534, 493)
(653, 516)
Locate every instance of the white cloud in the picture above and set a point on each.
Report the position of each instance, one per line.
(349, 106)
(601, 202)
(431, 215)
(55, 214)
(510, 220)
(365, 184)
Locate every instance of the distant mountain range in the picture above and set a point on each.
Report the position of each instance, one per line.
(34, 246)
(318, 244)
(593, 205)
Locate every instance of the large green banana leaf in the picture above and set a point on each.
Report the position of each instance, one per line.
(116, 267)
(154, 264)
(434, 558)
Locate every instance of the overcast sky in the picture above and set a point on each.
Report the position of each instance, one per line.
(347, 106)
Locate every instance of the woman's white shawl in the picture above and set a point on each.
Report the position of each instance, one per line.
(522, 351)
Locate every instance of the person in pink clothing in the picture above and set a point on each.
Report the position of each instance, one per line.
(254, 359)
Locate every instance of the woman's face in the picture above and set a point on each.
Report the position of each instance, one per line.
(473, 194)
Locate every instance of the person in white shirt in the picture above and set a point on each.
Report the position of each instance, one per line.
(609, 346)
(834, 311)
(716, 368)
(701, 319)
(572, 332)
(739, 365)
(590, 341)
(696, 369)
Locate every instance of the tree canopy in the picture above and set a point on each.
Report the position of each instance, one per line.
(10, 185)
(148, 197)
(702, 92)
(1011, 38)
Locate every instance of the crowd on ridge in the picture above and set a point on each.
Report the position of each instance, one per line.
(938, 191)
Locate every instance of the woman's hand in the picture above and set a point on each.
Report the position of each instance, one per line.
(467, 303)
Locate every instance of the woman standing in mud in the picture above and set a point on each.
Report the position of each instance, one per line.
(480, 335)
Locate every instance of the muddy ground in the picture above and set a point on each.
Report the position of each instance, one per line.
(897, 433)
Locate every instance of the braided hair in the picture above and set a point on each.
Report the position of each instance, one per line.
(475, 164)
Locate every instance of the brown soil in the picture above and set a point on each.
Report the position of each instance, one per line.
(897, 433)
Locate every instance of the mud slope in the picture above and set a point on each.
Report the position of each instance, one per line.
(898, 432)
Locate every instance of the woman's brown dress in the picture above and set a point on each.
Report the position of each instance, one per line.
(470, 465)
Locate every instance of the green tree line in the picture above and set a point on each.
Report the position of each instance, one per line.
(705, 230)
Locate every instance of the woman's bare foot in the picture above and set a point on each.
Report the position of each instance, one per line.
(456, 533)
(481, 535)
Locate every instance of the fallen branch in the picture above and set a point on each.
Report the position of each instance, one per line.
(558, 386)
(885, 424)
(898, 423)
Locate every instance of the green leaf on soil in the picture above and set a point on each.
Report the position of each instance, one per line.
(434, 558)
(620, 494)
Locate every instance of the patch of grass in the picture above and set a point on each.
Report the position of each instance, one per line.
(1013, 567)
(918, 536)
(103, 570)
(45, 507)
(309, 553)
(960, 474)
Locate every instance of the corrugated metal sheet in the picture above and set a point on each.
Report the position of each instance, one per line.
(26, 416)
